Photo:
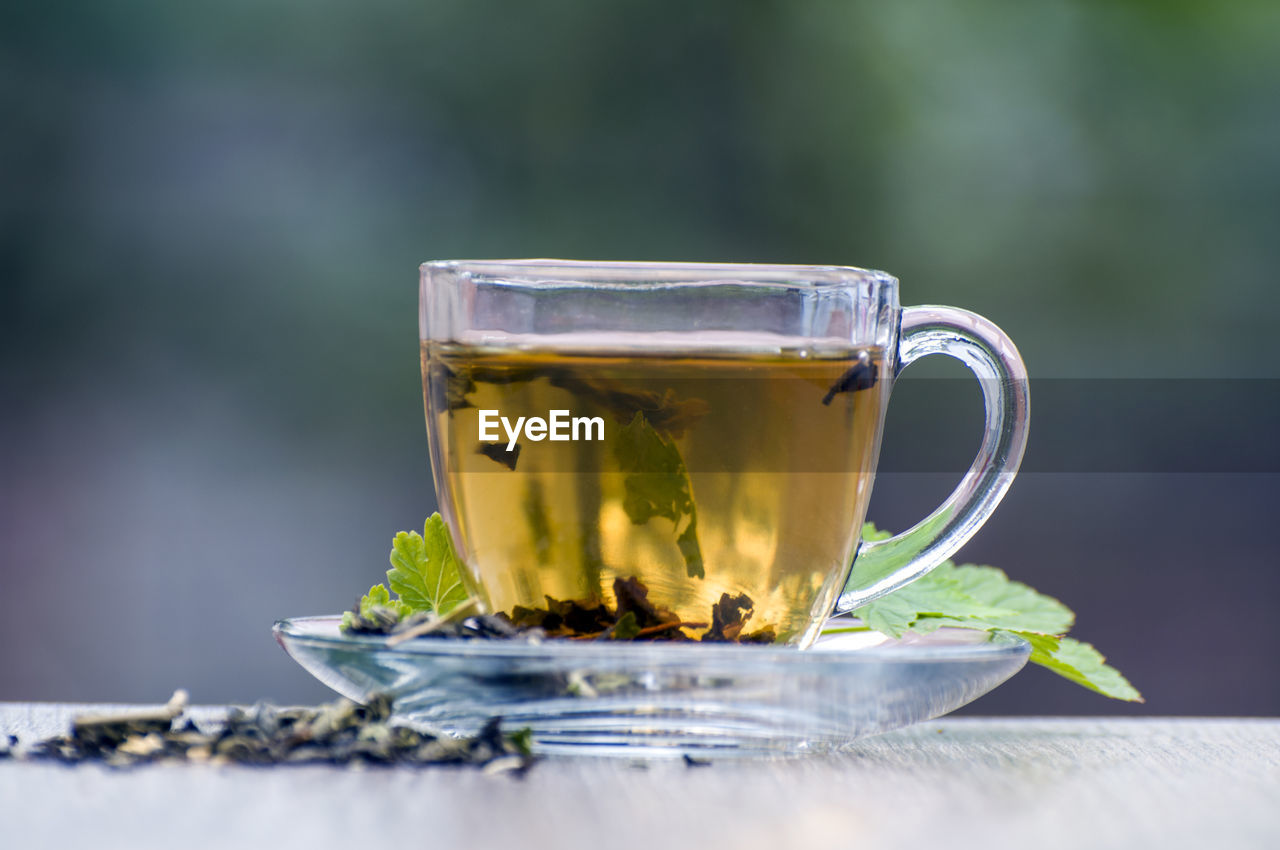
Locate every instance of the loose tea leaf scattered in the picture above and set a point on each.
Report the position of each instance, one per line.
(339, 733)
(984, 598)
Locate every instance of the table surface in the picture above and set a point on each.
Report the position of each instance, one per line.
(962, 783)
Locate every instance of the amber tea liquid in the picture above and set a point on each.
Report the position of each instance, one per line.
(740, 468)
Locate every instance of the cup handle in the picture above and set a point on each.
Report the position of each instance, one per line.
(883, 566)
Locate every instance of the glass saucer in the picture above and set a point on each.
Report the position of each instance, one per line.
(664, 699)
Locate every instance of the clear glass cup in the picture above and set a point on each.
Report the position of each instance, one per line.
(706, 433)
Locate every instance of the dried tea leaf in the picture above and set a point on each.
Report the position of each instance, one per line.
(499, 453)
(665, 411)
(583, 620)
(728, 617)
(341, 732)
(862, 376)
(633, 598)
(450, 388)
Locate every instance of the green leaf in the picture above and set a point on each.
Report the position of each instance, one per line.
(1080, 663)
(1023, 609)
(522, 740)
(378, 595)
(425, 570)
(626, 628)
(870, 532)
(985, 599)
(658, 486)
(968, 597)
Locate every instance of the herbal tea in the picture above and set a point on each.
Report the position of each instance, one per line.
(729, 474)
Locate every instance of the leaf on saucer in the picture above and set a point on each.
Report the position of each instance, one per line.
(969, 597)
(965, 597)
(1080, 663)
(425, 570)
(986, 599)
(378, 595)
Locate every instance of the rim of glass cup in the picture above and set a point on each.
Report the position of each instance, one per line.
(625, 272)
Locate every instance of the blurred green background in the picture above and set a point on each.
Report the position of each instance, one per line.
(211, 218)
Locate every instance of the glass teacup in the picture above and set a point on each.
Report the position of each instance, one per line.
(693, 443)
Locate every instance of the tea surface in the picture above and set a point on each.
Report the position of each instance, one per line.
(697, 474)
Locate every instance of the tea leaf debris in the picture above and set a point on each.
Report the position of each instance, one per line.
(634, 618)
(338, 733)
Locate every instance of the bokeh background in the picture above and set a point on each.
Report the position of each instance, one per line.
(211, 217)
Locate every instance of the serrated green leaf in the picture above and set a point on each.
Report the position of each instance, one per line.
(425, 570)
(966, 596)
(1023, 608)
(945, 596)
(1080, 663)
(986, 599)
(378, 595)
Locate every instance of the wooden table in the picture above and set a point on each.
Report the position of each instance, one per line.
(953, 783)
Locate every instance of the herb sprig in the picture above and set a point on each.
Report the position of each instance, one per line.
(424, 573)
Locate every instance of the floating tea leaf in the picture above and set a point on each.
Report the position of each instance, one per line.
(498, 452)
(861, 376)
